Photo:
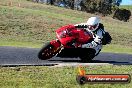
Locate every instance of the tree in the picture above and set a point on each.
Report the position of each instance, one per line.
(122, 14)
(101, 6)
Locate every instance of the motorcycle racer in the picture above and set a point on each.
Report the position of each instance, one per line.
(84, 40)
(96, 28)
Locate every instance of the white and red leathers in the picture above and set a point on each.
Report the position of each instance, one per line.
(97, 35)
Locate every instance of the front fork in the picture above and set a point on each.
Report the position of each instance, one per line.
(57, 45)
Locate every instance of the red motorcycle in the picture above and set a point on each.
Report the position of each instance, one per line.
(69, 41)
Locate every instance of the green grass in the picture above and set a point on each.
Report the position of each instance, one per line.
(126, 7)
(62, 77)
(21, 44)
(117, 49)
(32, 25)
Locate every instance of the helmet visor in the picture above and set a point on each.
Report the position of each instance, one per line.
(92, 27)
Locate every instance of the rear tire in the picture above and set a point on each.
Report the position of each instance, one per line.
(87, 56)
(47, 52)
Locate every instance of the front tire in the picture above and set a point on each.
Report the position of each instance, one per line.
(47, 51)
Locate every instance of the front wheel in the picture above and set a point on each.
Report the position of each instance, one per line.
(48, 51)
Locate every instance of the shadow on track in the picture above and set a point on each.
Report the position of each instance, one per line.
(96, 61)
(110, 58)
(112, 62)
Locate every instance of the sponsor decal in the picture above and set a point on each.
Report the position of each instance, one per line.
(83, 78)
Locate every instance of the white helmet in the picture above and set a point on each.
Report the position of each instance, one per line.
(93, 23)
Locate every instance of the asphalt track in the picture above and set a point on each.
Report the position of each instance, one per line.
(14, 56)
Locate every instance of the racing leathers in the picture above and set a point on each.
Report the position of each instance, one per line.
(97, 37)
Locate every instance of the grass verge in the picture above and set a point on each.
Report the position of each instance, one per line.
(117, 49)
(62, 77)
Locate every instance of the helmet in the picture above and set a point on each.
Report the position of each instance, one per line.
(93, 23)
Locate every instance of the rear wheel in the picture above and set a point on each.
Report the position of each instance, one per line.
(87, 56)
(47, 52)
